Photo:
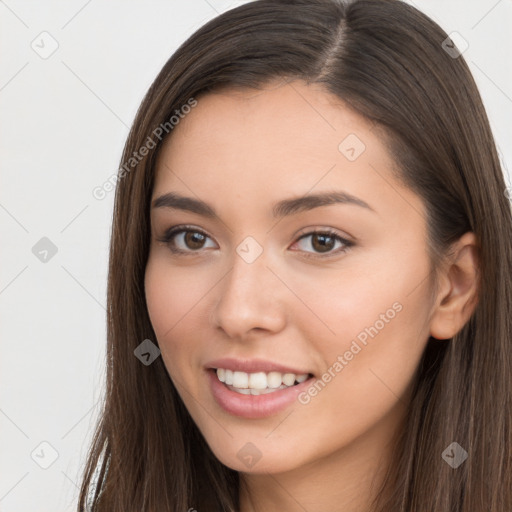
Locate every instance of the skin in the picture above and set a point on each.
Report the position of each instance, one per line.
(241, 151)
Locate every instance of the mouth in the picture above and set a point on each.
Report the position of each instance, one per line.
(256, 394)
(258, 383)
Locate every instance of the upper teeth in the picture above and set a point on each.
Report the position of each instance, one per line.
(259, 380)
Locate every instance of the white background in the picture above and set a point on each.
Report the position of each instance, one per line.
(63, 123)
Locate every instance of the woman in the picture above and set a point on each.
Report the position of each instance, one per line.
(310, 260)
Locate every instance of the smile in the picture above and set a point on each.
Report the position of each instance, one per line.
(256, 395)
(258, 383)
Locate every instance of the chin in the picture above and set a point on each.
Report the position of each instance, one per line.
(257, 457)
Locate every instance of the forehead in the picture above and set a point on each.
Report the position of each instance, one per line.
(294, 116)
(285, 140)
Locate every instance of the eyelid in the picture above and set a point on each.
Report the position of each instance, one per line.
(325, 229)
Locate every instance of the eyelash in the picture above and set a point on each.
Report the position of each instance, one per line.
(169, 235)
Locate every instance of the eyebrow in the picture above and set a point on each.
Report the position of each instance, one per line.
(281, 209)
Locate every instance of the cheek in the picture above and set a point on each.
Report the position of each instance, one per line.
(366, 291)
(173, 298)
(373, 334)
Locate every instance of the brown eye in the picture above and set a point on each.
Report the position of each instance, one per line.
(181, 240)
(194, 240)
(322, 242)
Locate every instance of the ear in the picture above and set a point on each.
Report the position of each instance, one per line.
(457, 295)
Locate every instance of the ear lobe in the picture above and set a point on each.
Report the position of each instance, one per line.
(458, 290)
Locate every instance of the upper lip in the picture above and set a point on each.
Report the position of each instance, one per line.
(252, 366)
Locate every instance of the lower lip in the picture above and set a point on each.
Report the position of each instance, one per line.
(254, 406)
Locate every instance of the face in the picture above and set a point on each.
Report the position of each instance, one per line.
(286, 256)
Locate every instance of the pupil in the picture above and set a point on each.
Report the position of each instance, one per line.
(323, 243)
(194, 240)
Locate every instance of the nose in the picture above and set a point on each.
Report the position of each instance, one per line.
(249, 300)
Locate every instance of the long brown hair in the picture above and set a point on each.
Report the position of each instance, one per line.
(386, 60)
